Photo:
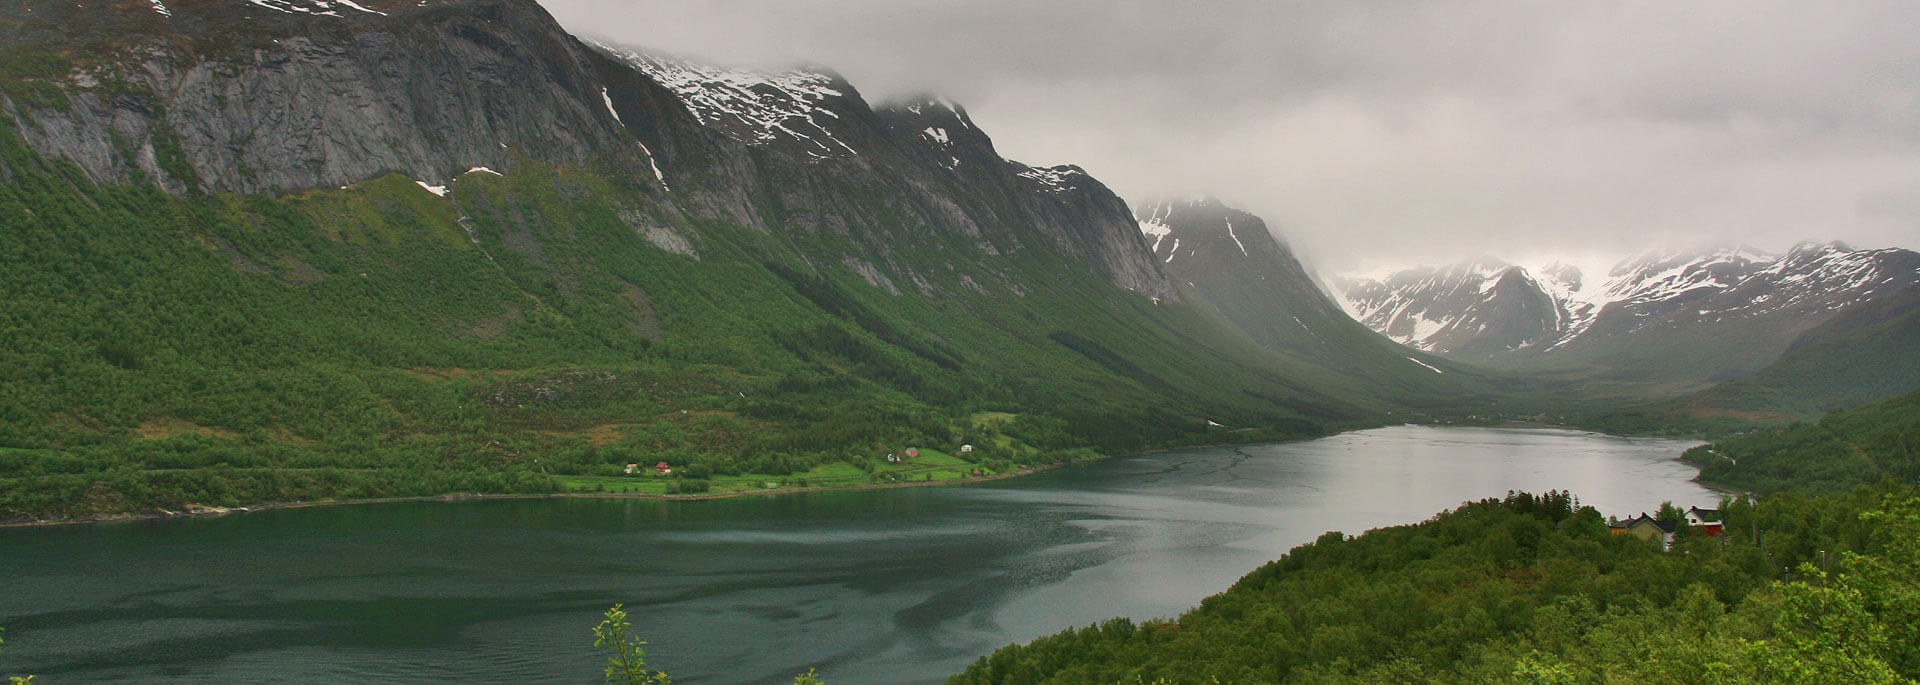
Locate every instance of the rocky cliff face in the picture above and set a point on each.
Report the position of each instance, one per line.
(901, 178)
(258, 98)
(277, 96)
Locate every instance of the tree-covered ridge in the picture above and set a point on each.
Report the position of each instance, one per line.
(1535, 589)
(1843, 450)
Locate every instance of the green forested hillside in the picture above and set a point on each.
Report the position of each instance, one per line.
(1797, 588)
(530, 333)
(207, 302)
(1536, 590)
(1843, 450)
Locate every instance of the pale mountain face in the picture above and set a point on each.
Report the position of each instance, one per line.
(1239, 268)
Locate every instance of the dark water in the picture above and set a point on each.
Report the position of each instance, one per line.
(870, 587)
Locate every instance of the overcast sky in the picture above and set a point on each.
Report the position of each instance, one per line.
(1382, 133)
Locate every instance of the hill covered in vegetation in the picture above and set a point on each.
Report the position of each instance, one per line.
(1839, 452)
(1535, 589)
(1811, 582)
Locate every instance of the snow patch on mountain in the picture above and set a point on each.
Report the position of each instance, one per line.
(1155, 225)
(921, 106)
(662, 178)
(327, 8)
(1236, 239)
(1053, 179)
(608, 99)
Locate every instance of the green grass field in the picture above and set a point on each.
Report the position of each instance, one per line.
(930, 466)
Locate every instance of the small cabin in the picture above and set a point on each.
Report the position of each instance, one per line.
(966, 448)
(913, 452)
(632, 468)
(662, 468)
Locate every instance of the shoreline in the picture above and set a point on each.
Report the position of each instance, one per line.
(164, 514)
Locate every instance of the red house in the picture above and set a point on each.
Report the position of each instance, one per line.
(1705, 521)
(663, 468)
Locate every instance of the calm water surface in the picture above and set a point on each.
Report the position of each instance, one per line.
(879, 586)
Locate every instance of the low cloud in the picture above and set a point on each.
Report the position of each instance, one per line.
(1378, 133)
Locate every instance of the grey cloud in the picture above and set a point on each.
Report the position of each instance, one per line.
(1395, 131)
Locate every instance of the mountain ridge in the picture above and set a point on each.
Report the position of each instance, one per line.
(217, 318)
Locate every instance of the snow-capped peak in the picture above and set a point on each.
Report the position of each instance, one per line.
(1664, 275)
(1658, 288)
(756, 107)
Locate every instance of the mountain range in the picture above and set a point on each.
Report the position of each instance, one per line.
(287, 249)
(1682, 319)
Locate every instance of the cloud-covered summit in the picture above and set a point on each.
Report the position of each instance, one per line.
(1378, 132)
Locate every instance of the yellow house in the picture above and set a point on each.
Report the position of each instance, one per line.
(1647, 528)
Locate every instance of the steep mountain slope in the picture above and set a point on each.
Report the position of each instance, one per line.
(1696, 318)
(282, 95)
(1229, 261)
(255, 252)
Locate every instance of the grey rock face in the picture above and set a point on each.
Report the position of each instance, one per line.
(1089, 221)
(428, 93)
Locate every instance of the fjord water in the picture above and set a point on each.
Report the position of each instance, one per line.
(877, 586)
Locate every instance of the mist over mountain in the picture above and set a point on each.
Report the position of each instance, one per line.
(1388, 136)
(1233, 264)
